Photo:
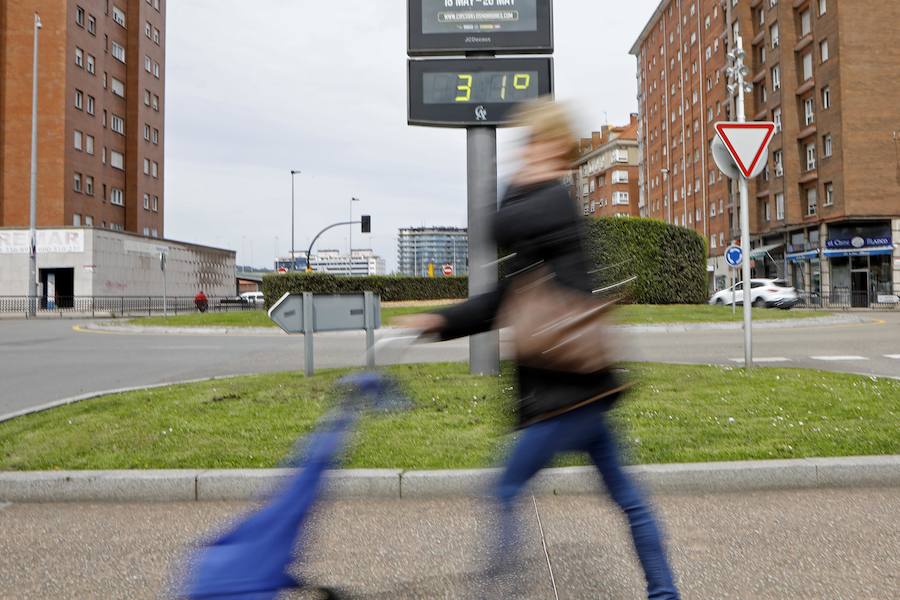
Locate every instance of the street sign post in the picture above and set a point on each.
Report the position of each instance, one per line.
(747, 145)
(734, 256)
(308, 314)
(500, 26)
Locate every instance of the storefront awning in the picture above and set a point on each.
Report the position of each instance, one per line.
(808, 255)
(876, 251)
(763, 250)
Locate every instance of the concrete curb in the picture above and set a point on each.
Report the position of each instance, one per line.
(250, 484)
(661, 328)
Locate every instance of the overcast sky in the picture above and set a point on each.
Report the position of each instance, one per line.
(255, 89)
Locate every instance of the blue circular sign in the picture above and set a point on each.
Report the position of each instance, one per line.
(734, 256)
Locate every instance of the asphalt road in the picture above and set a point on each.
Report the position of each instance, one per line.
(813, 544)
(47, 360)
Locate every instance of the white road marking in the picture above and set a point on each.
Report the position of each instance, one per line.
(893, 356)
(771, 359)
(838, 358)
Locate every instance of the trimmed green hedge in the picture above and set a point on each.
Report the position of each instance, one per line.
(391, 288)
(669, 261)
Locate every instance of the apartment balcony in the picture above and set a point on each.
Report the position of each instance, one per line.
(760, 76)
(807, 86)
(799, 3)
(755, 3)
(761, 115)
(809, 177)
(805, 41)
(759, 38)
(807, 132)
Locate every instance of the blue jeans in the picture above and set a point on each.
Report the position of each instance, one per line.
(584, 430)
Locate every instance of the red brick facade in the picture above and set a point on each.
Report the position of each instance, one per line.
(606, 174)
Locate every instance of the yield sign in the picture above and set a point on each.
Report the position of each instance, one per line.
(746, 142)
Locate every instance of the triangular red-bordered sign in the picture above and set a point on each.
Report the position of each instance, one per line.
(746, 142)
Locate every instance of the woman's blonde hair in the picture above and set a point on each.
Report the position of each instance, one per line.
(547, 121)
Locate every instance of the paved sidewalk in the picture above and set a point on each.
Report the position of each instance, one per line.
(805, 544)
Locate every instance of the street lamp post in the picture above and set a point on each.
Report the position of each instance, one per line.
(32, 260)
(293, 256)
(352, 200)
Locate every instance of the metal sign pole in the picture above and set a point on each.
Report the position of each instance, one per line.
(745, 218)
(32, 257)
(308, 328)
(484, 349)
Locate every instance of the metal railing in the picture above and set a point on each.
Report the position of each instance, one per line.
(120, 306)
(846, 299)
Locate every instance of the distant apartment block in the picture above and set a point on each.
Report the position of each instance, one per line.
(607, 172)
(419, 247)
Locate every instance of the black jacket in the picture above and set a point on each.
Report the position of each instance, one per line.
(538, 223)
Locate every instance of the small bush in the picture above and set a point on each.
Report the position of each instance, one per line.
(391, 288)
(669, 261)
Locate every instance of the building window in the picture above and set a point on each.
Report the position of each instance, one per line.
(147, 133)
(89, 144)
(823, 7)
(146, 166)
(148, 64)
(77, 142)
(807, 66)
(811, 157)
(76, 220)
(826, 97)
(776, 78)
(146, 232)
(620, 198)
(154, 233)
(79, 16)
(823, 51)
(767, 211)
(156, 36)
(89, 185)
(155, 103)
(156, 70)
(712, 241)
(805, 23)
(148, 29)
(92, 25)
(146, 97)
(620, 177)
(118, 16)
(117, 124)
(621, 155)
(778, 159)
(829, 194)
(90, 105)
(156, 136)
(91, 64)
(146, 201)
(155, 204)
(77, 183)
(812, 200)
(774, 35)
(827, 146)
(88, 221)
(79, 57)
(79, 99)
(779, 207)
(809, 111)
(117, 160)
(118, 88)
(118, 52)
(117, 197)
(776, 117)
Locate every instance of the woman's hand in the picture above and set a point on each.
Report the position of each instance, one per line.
(424, 322)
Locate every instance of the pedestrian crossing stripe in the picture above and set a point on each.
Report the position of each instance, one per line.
(838, 358)
(773, 359)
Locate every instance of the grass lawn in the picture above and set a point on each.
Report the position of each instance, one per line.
(675, 414)
(628, 315)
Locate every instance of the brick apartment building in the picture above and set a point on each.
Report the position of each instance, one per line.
(100, 119)
(606, 174)
(826, 213)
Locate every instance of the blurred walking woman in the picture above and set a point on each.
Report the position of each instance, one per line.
(538, 223)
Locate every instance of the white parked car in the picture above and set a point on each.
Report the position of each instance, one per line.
(253, 297)
(768, 293)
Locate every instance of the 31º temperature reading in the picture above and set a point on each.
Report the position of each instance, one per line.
(486, 87)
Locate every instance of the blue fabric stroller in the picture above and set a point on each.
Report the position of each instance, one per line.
(251, 560)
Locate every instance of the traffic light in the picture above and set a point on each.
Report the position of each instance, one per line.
(366, 224)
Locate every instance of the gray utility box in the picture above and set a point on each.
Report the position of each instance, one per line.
(309, 313)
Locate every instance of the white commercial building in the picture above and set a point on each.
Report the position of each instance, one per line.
(335, 262)
(88, 262)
